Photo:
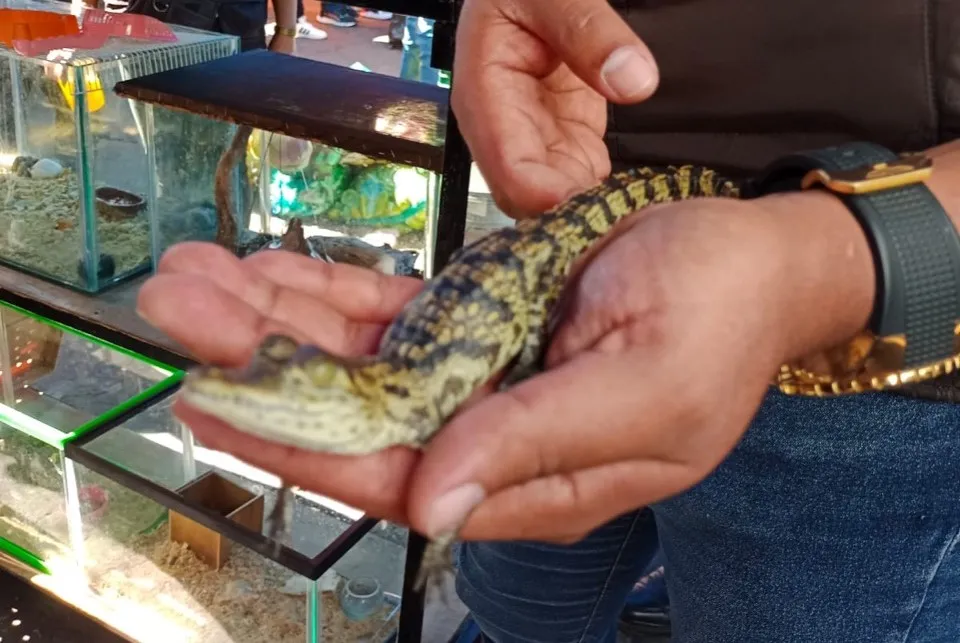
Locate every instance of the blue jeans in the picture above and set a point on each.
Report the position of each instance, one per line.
(417, 51)
(832, 521)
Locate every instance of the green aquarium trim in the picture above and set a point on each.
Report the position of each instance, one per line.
(92, 338)
(31, 426)
(25, 556)
(55, 437)
(122, 408)
(314, 613)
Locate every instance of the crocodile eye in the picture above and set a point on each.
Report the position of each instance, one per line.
(323, 374)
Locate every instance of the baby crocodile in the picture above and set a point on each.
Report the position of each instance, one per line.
(487, 311)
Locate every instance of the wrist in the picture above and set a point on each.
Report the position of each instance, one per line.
(828, 274)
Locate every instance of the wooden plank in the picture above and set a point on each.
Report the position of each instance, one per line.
(113, 310)
(432, 9)
(380, 116)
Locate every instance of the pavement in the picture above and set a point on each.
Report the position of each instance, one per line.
(348, 45)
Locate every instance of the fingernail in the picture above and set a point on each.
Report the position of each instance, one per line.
(451, 509)
(629, 73)
(142, 315)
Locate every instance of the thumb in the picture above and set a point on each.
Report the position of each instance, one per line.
(595, 42)
(546, 428)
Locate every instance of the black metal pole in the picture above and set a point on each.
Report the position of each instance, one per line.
(451, 226)
(455, 187)
(412, 602)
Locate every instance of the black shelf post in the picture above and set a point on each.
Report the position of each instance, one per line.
(454, 192)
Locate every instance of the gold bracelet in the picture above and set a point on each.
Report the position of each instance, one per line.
(290, 32)
(871, 364)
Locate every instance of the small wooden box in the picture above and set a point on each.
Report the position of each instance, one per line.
(215, 492)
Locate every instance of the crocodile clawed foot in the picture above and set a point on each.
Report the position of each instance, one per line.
(436, 567)
(280, 518)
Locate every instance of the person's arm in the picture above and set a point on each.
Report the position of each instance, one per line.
(285, 12)
(672, 364)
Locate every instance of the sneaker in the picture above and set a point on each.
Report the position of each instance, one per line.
(376, 15)
(344, 18)
(304, 30)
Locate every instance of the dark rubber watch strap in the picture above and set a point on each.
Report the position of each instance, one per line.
(915, 246)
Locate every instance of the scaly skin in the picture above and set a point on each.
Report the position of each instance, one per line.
(486, 312)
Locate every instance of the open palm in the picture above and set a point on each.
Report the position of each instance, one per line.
(224, 308)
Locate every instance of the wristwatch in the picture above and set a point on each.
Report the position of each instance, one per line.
(914, 330)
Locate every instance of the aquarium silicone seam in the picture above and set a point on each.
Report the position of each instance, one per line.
(25, 556)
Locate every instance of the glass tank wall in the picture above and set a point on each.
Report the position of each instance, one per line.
(353, 208)
(151, 587)
(367, 585)
(57, 385)
(186, 152)
(78, 178)
(243, 596)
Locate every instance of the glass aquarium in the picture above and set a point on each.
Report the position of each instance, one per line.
(58, 385)
(483, 215)
(367, 586)
(149, 585)
(224, 591)
(352, 208)
(80, 178)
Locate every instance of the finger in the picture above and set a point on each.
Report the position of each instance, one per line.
(564, 508)
(218, 327)
(509, 152)
(497, 112)
(197, 256)
(374, 483)
(595, 42)
(356, 293)
(329, 310)
(359, 294)
(590, 411)
(211, 323)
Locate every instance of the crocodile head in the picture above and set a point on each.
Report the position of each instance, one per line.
(305, 398)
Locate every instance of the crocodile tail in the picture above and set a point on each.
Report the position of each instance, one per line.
(223, 189)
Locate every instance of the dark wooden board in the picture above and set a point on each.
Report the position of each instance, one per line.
(433, 9)
(28, 611)
(383, 117)
(111, 315)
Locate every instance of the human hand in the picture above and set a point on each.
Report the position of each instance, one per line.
(220, 308)
(669, 341)
(532, 81)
